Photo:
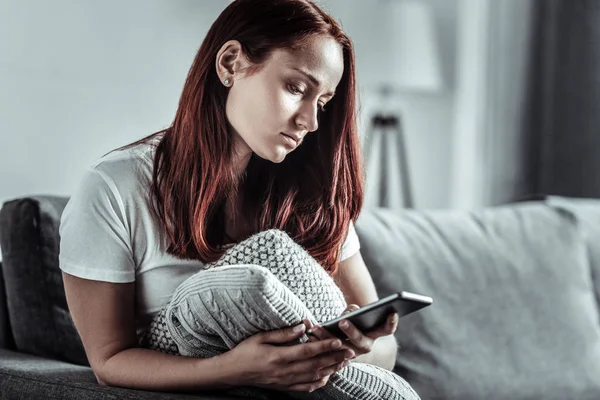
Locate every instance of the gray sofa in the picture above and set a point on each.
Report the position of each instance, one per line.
(515, 315)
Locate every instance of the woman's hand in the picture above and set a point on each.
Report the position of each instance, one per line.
(268, 360)
(360, 342)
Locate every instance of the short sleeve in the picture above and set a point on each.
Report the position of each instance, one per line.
(351, 245)
(94, 239)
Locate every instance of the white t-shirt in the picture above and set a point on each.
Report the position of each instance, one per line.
(108, 233)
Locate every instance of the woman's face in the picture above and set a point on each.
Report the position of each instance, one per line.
(271, 110)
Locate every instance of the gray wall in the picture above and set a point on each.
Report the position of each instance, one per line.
(78, 78)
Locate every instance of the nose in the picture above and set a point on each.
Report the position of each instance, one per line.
(307, 117)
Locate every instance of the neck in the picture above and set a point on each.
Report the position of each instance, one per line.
(239, 164)
(241, 156)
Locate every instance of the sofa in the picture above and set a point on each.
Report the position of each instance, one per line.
(515, 313)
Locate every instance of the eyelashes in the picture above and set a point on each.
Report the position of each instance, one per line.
(295, 90)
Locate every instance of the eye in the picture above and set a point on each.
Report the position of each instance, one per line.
(294, 89)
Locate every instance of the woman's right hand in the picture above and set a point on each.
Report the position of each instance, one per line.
(267, 360)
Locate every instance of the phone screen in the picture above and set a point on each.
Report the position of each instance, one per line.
(374, 315)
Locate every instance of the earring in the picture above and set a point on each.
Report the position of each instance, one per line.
(226, 81)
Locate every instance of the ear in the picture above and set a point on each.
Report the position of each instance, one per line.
(230, 62)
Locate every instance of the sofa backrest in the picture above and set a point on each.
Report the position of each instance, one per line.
(514, 312)
(40, 322)
(587, 212)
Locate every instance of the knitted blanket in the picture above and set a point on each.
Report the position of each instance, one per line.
(264, 283)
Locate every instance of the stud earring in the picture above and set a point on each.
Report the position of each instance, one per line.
(226, 81)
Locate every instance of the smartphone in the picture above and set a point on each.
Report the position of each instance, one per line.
(374, 315)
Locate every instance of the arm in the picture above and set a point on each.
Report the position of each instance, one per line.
(104, 316)
(96, 244)
(356, 283)
(104, 313)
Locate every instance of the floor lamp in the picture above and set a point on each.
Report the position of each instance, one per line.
(413, 67)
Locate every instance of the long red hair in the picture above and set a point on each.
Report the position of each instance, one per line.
(312, 195)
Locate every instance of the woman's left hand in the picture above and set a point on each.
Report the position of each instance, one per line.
(360, 342)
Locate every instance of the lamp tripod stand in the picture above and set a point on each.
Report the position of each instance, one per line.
(392, 173)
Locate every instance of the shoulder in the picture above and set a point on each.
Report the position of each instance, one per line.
(351, 245)
(126, 170)
(113, 186)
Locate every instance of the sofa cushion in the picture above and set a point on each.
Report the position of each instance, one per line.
(28, 377)
(37, 307)
(514, 313)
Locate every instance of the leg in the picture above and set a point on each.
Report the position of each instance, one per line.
(291, 264)
(268, 282)
(217, 308)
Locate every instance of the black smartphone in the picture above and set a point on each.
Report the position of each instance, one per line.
(374, 315)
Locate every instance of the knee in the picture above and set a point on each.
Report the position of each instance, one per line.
(275, 238)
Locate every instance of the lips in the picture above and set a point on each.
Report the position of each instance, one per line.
(295, 139)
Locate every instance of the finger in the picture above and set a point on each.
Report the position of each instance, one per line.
(308, 350)
(324, 334)
(307, 377)
(309, 386)
(332, 369)
(393, 322)
(282, 335)
(351, 307)
(318, 364)
(388, 329)
(314, 376)
(309, 327)
(308, 323)
(321, 333)
(360, 341)
(312, 338)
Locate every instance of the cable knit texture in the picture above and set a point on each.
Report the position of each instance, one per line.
(264, 283)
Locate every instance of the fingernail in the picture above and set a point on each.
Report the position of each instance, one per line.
(395, 318)
(299, 328)
(344, 324)
(336, 344)
(349, 354)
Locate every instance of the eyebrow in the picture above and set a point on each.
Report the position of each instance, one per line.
(313, 79)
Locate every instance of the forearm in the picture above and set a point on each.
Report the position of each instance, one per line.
(383, 353)
(145, 369)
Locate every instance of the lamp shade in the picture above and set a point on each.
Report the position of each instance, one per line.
(414, 63)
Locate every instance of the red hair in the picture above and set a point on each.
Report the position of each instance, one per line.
(312, 195)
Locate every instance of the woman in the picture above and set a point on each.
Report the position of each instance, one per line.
(264, 138)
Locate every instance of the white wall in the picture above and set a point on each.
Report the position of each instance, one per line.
(78, 78)
(493, 64)
(428, 118)
(470, 104)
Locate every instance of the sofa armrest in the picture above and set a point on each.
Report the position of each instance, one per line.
(6, 339)
(25, 376)
(37, 307)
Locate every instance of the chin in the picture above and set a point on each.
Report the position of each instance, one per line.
(277, 160)
(277, 156)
